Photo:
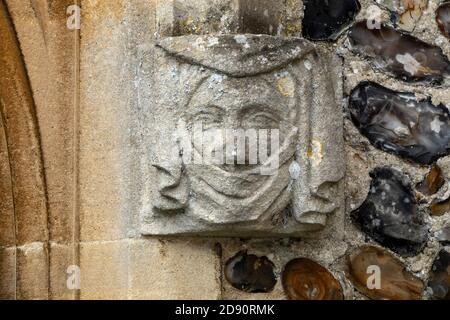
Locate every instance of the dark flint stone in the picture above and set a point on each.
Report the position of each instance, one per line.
(443, 235)
(400, 54)
(432, 182)
(304, 279)
(405, 13)
(439, 282)
(443, 18)
(389, 214)
(440, 207)
(250, 273)
(397, 123)
(326, 20)
(395, 281)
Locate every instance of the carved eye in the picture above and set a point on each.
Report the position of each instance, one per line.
(208, 118)
(261, 120)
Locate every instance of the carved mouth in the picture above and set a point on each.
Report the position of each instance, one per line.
(237, 187)
(242, 180)
(239, 181)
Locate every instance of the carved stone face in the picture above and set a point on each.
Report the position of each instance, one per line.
(276, 90)
(259, 103)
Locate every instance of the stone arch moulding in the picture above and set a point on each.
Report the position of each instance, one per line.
(21, 131)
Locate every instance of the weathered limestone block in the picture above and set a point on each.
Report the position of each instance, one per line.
(173, 269)
(104, 270)
(149, 269)
(62, 264)
(32, 272)
(259, 84)
(103, 99)
(200, 17)
(7, 272)
(178, 17)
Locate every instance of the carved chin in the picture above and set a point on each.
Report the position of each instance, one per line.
(223, 197)
(242, 194)
(232, 183)
(242, 181)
